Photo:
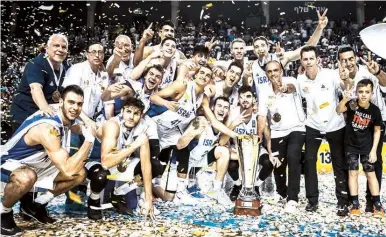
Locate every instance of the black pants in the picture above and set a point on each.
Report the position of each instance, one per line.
(377, 165)
(290, 152)
(336, 141)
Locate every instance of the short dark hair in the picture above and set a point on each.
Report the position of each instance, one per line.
(92, 43)
(134, 102)
(236, 64)
(166, 23)
(200, 49)
(221, 98)
(365, 82)
(309, 49)
(260, 38)
(155, 66)
(244, 89)
(344, 49)
(206, 65)
(168, 38)
(72, 88)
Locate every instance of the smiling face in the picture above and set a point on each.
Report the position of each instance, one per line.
(166, 31)
(153, 78)
(238, 50)
(203, 76)
(260, 48)
(274, 72)
(168, 48)
(246, 100)
(57, 50)
(131, 116)
(124, 42)
(232, 76)
(200, 59)
(71, 106)
(348, 60)
(221, 110)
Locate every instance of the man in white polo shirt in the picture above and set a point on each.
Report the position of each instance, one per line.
(122, 58)
(354, 74)
(282, 104)
(320, 88)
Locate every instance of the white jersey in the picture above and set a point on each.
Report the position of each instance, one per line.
(188, 105)
(249, 128)
(321, 95)
(288, 106)
(205, 143)
(138, 87)
(233, 97)
(169, 74)
(260, 79)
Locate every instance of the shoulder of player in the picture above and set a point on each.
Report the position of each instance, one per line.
(111, 125)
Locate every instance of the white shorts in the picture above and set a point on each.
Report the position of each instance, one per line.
(45, 176)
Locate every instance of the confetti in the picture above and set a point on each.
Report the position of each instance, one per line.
(282, 13)
(46, 8)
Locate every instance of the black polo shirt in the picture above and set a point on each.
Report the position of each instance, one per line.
(37, 70)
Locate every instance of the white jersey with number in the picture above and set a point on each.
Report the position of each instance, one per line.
(206, 142)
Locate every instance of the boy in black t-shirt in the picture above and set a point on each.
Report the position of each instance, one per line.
(363, 131)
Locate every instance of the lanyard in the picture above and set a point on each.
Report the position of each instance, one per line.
(57, 80)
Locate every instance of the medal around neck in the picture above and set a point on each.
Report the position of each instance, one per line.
(276, 117)
(248, 201)
(56, 96)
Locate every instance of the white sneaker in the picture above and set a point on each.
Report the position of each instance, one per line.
(221, 197)
(183, 197)
(291, 207)
(277, 198)
(141, 201)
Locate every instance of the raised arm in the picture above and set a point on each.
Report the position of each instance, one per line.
(314, 39)
(190, 133)
(212, 119)
(341, 108)
(146, 36)
(138, 70)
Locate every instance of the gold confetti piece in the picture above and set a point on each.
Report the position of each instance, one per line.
(209, 5)
(62, 11)
(323, 105)
(199, 233)
(75, 197)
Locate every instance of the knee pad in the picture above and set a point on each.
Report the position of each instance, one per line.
(98, 177)
(265, 162)
(353, 162)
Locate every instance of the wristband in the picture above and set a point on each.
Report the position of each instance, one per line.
(379, 72)
(89, 139)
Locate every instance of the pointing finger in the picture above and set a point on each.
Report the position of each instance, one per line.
(149, 27)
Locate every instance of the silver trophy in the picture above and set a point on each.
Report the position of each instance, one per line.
(248, 201)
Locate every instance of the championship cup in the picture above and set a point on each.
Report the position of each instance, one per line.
(248, 201)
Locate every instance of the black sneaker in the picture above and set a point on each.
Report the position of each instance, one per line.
(8, 225)
(94, 214)
(369, 207)
(119, 204)
(311, 207)
(235, 192)
(342, 210)
(26, 200)
(38, 212)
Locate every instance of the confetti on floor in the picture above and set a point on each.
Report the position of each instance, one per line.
(214, 220)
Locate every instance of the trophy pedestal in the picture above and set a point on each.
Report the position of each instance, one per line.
(249, 208)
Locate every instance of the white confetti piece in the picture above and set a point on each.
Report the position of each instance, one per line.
(202, 13)
(282, 13)
(88, 4)
(116, 5)
(46, 8)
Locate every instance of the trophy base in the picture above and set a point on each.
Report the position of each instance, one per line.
(247, 208)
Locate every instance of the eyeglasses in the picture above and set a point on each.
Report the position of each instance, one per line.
(94, 52)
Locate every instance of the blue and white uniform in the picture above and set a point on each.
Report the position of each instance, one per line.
(260, 79)
(233, 97)
(199, 148)
(16, 153)
(170, 124)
